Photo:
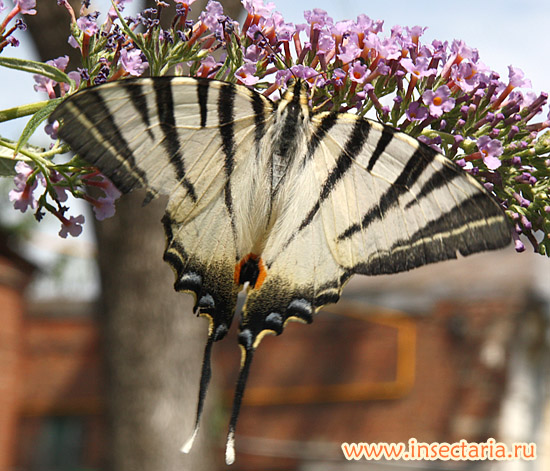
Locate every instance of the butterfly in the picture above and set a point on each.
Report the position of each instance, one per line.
(271, 195)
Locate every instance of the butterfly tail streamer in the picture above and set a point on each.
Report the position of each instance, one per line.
(246, 360)
(206, 374)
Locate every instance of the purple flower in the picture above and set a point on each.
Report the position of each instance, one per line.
(416, 112)
(338, 76)
(418, 68)
(439, 49)
(306, 73)
(73, 75)
(132, 62)
(319, 17)
(2, 6)
(112, 14)
(24, 171)
(517, 78)
(110, 190)
(350, 52)
(440, 101)
(88, 24)
(416, 31)
(518, 244)
(342, 28)
(285, 31)
(72, 226)
(524, 202)
(526, 178)
(468, 75)
(26, 7)
(325, 43)
(44, 84)
(461, 50)
(207, 65)
(104, 207)
(358, 72)
(257, 7)
(252, 53)
(490, 149)
(212, 15)
(245, 74)
(60, 191)
(22, 195)
(51, 129)
(282, 77)
(382, 68)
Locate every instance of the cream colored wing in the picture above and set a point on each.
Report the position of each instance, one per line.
(366, 199)
(181, 137)
(391, 203)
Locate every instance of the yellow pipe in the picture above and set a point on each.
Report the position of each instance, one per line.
(351, 392)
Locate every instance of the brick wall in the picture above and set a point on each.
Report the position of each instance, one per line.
(14, 275)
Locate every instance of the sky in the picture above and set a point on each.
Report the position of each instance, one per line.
(504, 32)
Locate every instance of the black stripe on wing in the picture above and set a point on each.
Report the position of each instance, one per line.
(475, 225)
(116, 161)
(319, 133)
(437, 180)
(354, 144)
(417, 163)
(202, 97)
(171, 143)
(385, 139)
(137, 98)
(226, 115)
(258, 106)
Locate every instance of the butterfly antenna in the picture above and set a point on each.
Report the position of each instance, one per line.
(206, 374)
(246, 361)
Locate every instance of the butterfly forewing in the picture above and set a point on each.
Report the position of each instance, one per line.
(398, 204)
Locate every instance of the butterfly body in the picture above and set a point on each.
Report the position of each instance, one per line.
(271, 194)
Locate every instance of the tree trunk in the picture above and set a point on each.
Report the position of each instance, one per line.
(153, 344)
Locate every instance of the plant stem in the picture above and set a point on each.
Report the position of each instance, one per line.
(20, 111)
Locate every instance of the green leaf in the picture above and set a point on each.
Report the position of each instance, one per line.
(7, 167)
(35, 67)
(35, 121)
(7, 158)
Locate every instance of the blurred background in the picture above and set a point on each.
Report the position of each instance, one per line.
(100, 358)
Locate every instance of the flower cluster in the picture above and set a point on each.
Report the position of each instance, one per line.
(23, 7)
(439, 92)
(54, 186)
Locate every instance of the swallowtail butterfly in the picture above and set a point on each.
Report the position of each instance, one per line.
(290, 201)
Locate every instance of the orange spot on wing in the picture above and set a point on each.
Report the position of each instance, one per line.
(261, 276)
(262, 271)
